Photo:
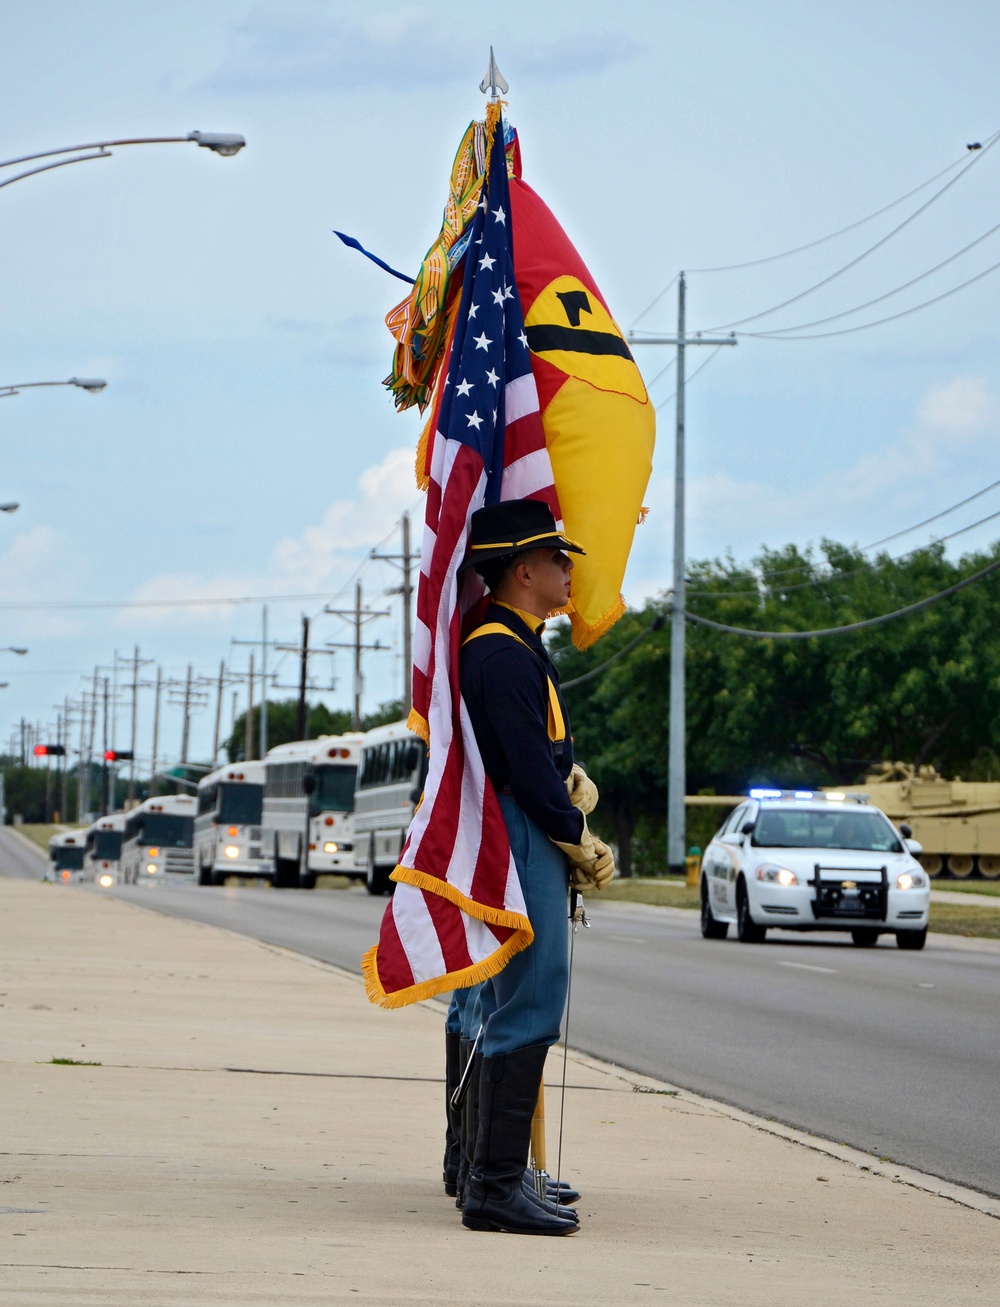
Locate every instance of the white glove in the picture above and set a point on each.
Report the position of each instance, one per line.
(581, 789)
(592, 863)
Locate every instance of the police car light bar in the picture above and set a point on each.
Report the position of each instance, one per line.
(831, 796)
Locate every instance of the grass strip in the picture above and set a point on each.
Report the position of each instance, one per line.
(989, 887)
(41, 834)
(658, 893)
(957, 919)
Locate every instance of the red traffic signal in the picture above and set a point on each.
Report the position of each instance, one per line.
(118, 755)
(49, 750)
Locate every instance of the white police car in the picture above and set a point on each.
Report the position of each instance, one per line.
(805, 860)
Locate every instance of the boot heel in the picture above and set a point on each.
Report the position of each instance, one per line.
(478, 1222)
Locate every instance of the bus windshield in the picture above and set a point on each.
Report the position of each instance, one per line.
(334, 790)
(107, 844)
(168, 831)
(240, 805)
(833, 828)
(69, 859)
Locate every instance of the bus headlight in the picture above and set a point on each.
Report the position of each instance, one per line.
(331, 846)
(232, 851)
(777, 875)
(151, 868)
(106, 881)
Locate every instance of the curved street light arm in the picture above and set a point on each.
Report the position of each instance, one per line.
(220, 142)
(91, 384)
(61, 163)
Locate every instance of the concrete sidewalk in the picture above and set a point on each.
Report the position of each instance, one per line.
(255, 1132)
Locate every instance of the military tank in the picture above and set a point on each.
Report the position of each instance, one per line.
(957, 822)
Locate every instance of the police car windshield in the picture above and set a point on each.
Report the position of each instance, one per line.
(829, 828)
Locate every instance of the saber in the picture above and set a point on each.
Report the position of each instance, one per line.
(462, 1088)
(578, 917)
(540, 1175)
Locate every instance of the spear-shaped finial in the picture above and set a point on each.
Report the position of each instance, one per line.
(494, 83)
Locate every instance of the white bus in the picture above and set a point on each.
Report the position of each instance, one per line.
(308, 809)
(390, 781)
(159, 838)
(66, 850)
(104, 849)
(227, 828)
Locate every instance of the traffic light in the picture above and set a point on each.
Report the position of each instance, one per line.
(49, 750)
(118, 755)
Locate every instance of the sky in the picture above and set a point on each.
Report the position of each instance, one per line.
(245, 447)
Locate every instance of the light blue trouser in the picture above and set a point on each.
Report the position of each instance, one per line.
(524, 1003)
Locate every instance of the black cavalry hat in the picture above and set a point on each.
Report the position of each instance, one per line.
(511, 527)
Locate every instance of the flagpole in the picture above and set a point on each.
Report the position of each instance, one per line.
(676, 760)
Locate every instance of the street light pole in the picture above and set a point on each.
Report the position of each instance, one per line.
(221, 143)
(676, 763)
(93, 385)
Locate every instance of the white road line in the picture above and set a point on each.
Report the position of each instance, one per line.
(804, 966)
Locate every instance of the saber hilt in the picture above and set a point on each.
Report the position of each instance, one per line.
(462, 1088)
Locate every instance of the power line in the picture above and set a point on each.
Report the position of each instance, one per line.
(843, 576)
(818, 322)
(927, 520)
(865, 326)
(865, 253)
(850, 626)
(656, 301)
(800, 249)
(699, 369)
(654, 625)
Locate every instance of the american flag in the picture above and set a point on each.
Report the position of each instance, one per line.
(458, 914)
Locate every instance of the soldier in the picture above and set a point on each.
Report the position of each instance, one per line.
(510, 689)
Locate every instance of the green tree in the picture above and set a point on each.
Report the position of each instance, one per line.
(282, 723)
(924, 688)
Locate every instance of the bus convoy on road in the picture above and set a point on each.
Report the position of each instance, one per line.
(338, 805)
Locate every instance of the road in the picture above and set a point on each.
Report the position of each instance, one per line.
(895, 1053)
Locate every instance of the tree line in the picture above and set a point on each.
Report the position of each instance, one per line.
(924, 688)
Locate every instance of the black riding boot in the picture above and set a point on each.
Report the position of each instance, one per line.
(452, 1075)
(470, 1121)
(495, 1199)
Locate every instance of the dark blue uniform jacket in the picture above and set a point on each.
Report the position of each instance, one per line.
(505, 689)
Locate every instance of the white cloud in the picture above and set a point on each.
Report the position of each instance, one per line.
(306, 49)
(931, 464)
(38, 565)
(318, 560)
(963, 407)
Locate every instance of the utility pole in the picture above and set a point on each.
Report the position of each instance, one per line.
(300, 716)
(186, 729)
(263, 684)
(107, 766)
(404, 561)
(357, 616)
(136, 664)
(64, 764)
(676, 764)
(248, 734)
(218, 713)
(156, 732)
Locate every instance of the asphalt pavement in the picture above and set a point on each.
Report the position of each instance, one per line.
(806, 1030)
(193, 1117)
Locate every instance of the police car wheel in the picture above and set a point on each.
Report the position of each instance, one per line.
(747, 930)
(710, 928)
(865, 937)
(911, 939)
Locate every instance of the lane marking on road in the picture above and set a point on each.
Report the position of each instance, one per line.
(804, 966)
(628, 939)
(925, 984)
